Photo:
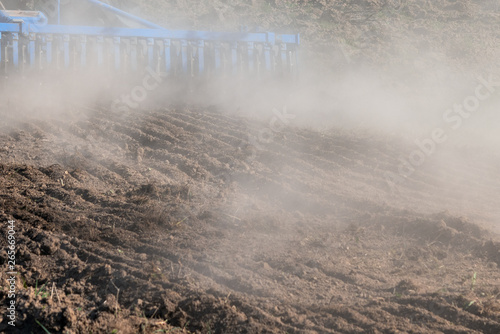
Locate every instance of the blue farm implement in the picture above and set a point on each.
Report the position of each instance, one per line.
(34, 41)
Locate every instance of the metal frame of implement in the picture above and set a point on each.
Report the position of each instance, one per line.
(29, 44)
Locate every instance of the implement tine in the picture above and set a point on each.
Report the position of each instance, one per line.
(48, 49)
(234, 58)
(191, 58)
(284, 58)
(168, 55)
(294, 59)
(66, 40)
(117, 52)
(267, 57)
(251, 56)
(100, 51)
(184, 56)
(218, 57)
(15, 50)
(201, 57)
(83, 51)
(133, 54)
(151, 53)
(31, 50)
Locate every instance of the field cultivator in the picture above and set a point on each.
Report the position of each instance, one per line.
(37, 42)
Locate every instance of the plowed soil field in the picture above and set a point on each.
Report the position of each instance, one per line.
(184, 220)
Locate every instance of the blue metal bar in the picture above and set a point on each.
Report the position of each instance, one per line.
(9, 27)
(160, 34)
(189, 47)
(125, 14)
(185, 51)
(290, 39)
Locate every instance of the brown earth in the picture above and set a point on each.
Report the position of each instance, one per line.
(171, 221)
(180, 220)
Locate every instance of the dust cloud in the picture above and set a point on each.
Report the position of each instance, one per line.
(251, 203)
(409, 100)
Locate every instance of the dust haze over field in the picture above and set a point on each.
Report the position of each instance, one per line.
(397, 69)
(387, 73)
(360, 197)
